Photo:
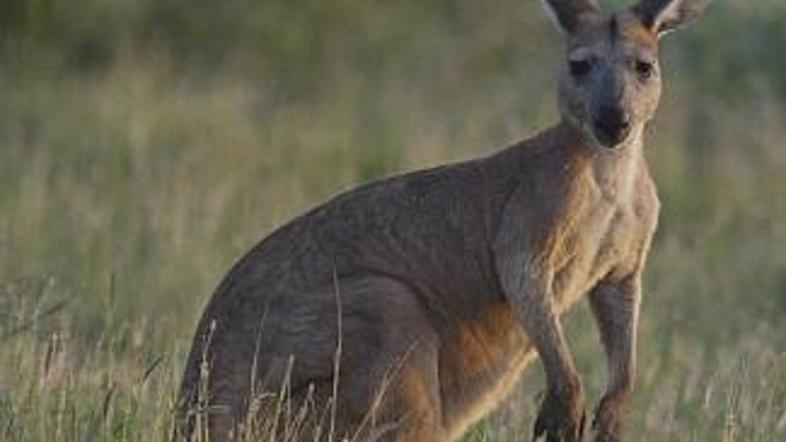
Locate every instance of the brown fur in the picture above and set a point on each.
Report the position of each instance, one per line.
(435, 288)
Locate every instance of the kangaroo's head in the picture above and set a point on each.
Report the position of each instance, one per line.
(610, 80)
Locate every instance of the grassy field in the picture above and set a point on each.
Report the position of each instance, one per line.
(144, 146)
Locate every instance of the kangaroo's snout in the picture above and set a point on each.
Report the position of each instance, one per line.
(611, 126)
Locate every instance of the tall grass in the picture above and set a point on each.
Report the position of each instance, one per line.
(139, 158)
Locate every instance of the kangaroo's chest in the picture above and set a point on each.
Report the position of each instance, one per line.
(602, 238)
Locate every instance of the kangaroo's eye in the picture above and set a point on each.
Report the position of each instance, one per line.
(644, 69)
(579, 68)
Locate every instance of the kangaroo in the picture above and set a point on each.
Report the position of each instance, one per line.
(408, 307)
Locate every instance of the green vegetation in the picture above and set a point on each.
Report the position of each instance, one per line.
(145, 145)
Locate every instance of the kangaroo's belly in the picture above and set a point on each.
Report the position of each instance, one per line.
(479, 364)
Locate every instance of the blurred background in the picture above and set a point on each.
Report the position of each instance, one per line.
(145, 145)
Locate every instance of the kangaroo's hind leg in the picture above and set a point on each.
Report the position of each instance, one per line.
(387, 387)
(372, 375)
(382, 380)
(410, 410)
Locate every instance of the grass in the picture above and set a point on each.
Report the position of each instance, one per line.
(128, 190)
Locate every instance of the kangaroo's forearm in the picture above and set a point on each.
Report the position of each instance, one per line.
(528, 288)
(616, 307)
(545, 331)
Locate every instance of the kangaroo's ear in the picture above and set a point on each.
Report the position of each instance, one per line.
(567, 14)
(664, 16)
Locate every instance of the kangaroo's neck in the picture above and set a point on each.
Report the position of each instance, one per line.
(613, 171)
(562, 154)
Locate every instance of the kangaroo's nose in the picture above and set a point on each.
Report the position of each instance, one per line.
(612, 126)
